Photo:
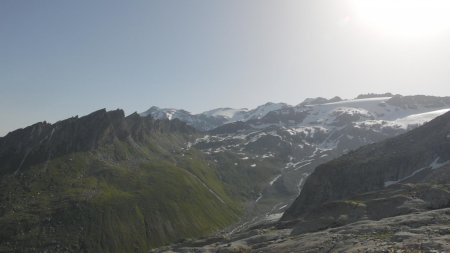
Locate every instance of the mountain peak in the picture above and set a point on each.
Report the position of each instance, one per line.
(77, 134)
(225, 112)
(166, 113)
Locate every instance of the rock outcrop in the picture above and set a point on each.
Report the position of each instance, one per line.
(419, 156)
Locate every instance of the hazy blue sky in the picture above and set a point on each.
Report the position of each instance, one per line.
(64, 58)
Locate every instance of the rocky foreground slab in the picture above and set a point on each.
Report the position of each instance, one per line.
(417, 232)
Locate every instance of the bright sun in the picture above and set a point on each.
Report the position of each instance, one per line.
(405, 18)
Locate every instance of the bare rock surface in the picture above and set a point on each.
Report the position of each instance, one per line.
(427, 231)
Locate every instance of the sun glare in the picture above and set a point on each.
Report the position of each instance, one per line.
(405, 18)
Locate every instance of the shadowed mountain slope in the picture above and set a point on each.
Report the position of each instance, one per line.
(419, 156)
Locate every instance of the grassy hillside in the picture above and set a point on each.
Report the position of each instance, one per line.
(129, 192)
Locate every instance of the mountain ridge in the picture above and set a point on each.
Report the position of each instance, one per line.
(248, 170)
(107, 183)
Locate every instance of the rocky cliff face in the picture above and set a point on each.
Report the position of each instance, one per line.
(42, 141)
(419, 156)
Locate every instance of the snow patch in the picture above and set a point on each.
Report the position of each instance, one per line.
(308, 131)
(275, 179)
(21, 162)
(259, 197)
(233, 115)
(273, 217)
(263, 110)
(51, 134)
(419, 119)
(282, 207)
(351, 111)
(228, 113)
(306, 164)
(359, 101)
(300, 183)
(389, 183)
(401, 122)
(436, 164)
(267, 155)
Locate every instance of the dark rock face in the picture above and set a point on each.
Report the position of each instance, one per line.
(389, 202)
(231, 128)
(320, 100)
(43, 141)
(286, 116)
(410, 157)
(373, 95)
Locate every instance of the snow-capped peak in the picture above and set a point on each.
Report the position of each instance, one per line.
(216, 117)
(263, 110)
(244, 114)
(228, 113)
(166, 113)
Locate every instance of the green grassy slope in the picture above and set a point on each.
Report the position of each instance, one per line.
(127, 194)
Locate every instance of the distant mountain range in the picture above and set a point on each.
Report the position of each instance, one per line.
(214, 118)
(107, 182)
(296, 139)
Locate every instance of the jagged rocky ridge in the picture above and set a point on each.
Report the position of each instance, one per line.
(43, 141)
(109, 183)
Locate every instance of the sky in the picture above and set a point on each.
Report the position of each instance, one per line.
(64, 58)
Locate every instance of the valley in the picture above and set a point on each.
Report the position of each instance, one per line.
(389, 196)
(295, 140)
